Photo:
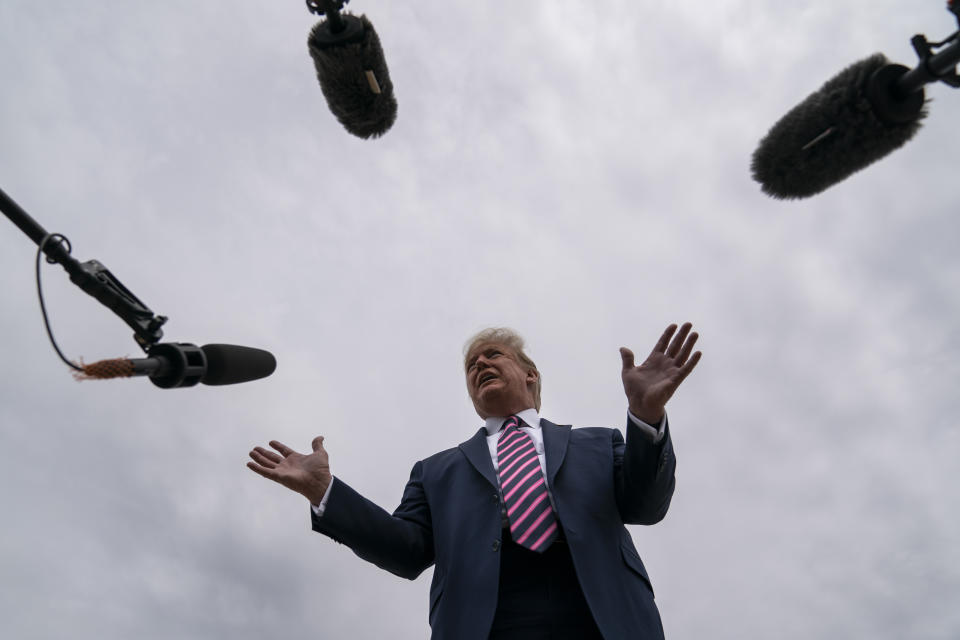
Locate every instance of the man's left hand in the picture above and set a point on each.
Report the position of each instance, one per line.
(650, 385)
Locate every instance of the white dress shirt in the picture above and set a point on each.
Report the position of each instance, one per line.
(530, 426)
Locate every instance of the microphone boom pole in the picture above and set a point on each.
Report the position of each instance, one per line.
(896, 92)
(91, 276)
(933, 67)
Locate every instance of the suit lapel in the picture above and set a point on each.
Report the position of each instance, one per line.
(478, 453)
(555, 440)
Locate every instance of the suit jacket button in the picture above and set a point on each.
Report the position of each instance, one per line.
(496, 498)
(496, 545)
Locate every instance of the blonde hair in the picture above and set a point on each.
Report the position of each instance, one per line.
(506, 337)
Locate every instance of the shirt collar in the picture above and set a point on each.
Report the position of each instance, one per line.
(529, 416)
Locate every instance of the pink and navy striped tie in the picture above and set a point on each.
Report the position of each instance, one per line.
(532, 522)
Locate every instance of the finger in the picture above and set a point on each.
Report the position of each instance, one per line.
(661, 345)
(282, 448)
(688, 367)
(262, 460)
(627, 356)
(269, 455)
(687, 348)
(677, 342)
(270, 474)
(317, 443)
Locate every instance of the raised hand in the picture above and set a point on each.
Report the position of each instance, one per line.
(650, 385)
(307, 474)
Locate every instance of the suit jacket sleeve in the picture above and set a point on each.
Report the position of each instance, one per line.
(644, 475)
(401, 543)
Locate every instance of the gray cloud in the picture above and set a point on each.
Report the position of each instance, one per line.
(577, 171)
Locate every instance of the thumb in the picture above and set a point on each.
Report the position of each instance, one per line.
(627, 356)
(317, 443)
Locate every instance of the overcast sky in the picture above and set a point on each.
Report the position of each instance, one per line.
(576, 170)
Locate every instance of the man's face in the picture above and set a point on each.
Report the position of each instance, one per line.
(498, 383)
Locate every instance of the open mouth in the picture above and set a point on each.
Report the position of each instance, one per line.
(485, 378)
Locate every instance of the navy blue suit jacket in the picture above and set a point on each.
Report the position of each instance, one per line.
(450, 517)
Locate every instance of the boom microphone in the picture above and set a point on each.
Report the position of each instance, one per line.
(352, 70)
(168, 364)
(173, 364)
(859, 116)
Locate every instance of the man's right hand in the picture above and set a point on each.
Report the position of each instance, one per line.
(308, 475)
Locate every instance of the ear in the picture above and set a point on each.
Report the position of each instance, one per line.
(532, 376)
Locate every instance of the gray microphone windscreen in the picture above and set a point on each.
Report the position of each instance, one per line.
(353, 76)
(832, 134)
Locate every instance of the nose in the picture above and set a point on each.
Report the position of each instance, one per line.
(482, 364)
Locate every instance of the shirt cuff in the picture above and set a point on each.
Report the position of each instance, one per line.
(654, 432)
(318, 509)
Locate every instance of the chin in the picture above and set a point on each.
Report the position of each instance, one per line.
(485, 409)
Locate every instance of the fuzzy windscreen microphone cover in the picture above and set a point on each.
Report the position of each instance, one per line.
(832, 134)
(355, 80)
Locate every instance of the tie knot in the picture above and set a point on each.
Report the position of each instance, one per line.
(512, 421)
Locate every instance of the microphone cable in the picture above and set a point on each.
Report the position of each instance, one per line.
(102, 369)
(59, 237)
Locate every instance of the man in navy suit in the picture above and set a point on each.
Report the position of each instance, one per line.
(524, 521)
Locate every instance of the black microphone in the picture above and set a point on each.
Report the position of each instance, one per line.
(352, 70)
(859, 116)
(180, 364)
(170, 364)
